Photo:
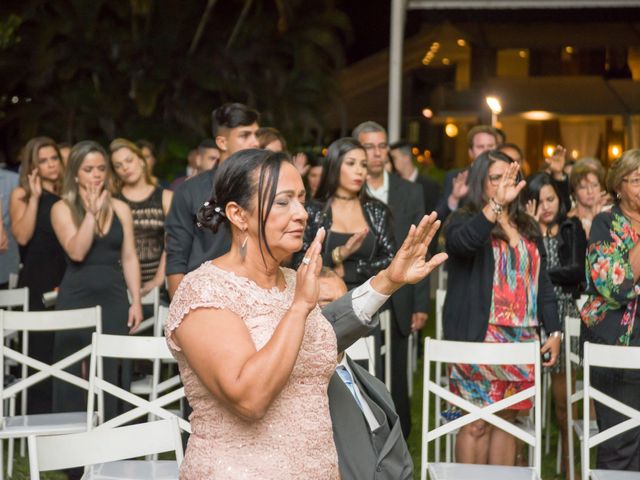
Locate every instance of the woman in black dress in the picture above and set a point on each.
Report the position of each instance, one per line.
(359, 241)
(96, 232)
(149, 204)
(41, 254)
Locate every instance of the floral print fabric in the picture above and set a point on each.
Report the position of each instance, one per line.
(610, 311)
(513, 318)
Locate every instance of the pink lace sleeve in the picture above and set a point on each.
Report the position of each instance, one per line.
(202, 288)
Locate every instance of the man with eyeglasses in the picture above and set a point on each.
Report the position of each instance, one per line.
(409, 305)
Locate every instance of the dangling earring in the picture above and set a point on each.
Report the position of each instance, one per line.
(243, 248)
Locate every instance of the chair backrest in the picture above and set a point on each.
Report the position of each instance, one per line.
(128, 347)
(581, 301)
(441, 295)
(364, 350)
(13, 280)
(45, 321)
(151, 298)
(58, 452)
(606, 356)
(161, 320)
(444, 351)
(15, 297)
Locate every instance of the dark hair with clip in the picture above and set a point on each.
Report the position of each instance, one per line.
(242, 176)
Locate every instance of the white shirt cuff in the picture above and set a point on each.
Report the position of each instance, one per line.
(366, 301)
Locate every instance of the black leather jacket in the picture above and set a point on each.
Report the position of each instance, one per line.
(378, 218)
(572, 247)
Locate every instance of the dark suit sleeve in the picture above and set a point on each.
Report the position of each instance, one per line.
(420, 289)
(179, 228)
(572, 274)
(346, 324)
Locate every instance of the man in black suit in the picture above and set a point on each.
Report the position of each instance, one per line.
(403, 162)
(480, 139)
(409, 305)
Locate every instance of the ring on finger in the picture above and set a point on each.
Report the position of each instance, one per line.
(306, 261)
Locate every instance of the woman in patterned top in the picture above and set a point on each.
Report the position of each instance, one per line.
(566, 244)
(610, 315)
(149, 205)
(497, 260)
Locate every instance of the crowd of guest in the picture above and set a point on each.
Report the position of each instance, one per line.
(98, 227)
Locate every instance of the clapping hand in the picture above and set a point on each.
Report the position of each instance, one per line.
(353, 244)
(35, 184)
(556, 162)
(94, 198)
(308, 276)
(410, 265)
(508, 189)
(301, 163)
(460, 188)
(532, 209)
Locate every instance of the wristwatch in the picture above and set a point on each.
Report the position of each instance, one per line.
(557, 333)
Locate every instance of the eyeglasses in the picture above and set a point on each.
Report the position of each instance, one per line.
(634, 182)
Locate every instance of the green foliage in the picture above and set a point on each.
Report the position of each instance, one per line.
(156, 69)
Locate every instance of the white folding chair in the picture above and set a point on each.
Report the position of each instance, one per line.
(412, 360)
(13, 281)
(21, 426)
(15, 297)
(606, 356)
(442, 277)
(150, 383)
(441, 379)
(486, 354)
(151, 298)
(364, 350)
(572, 335)
(127, 347)
(94, 449)
(385, 350)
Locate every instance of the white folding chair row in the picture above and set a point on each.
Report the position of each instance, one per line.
(20, 426)
(441, 379)
(364, 350)
(131, 348)
(412, 360)
(444, 351)
(151, 298)
(606, 356)
(101, 452)
(13, 280)
(572, 360)
(385, 350)
(151, 384)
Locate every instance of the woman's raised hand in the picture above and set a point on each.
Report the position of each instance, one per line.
(308, 277)
(94, 199)
(353, 244)
(410, 265)
(532, 209)
(35, 184)
(508, 189)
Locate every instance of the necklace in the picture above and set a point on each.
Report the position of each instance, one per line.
(340, 197)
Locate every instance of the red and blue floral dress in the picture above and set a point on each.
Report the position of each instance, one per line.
(513, 318)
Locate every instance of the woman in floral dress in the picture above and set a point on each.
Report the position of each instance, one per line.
(610, 315)
(497, 259)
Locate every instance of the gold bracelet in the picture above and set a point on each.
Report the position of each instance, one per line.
(336, 257)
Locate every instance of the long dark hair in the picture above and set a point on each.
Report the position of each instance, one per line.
(244, 174)
(476, 198)
(535, 183)
(330, 180)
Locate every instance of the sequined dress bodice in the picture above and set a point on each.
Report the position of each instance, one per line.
(294, 439)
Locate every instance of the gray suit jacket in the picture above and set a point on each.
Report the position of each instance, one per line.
(361, 455)
(346, 324)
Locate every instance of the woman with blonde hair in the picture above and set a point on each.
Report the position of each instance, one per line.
(96, 232)
(588, 190)
(42, 256)
(149, 204)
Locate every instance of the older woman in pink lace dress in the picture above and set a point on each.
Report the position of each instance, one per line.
(254, 350)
